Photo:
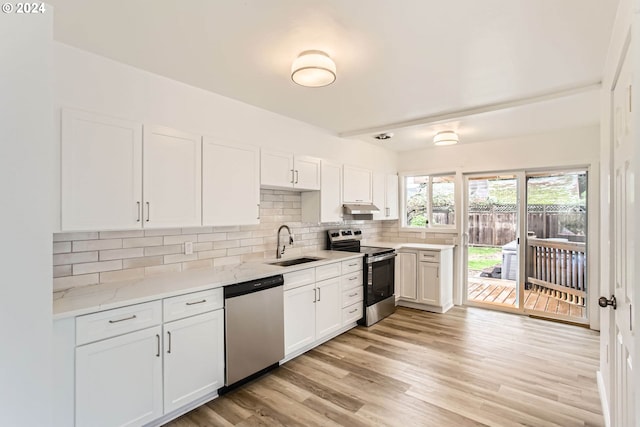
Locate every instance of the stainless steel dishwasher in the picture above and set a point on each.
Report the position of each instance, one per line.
(254, 328)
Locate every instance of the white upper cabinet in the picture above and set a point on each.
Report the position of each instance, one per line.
(357, 185)
(284, 170)
(230, 183)
(325, 205)
(172, 178)
(101, 172)
(385, 196)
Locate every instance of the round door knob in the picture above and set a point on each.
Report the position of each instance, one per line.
(604, 302)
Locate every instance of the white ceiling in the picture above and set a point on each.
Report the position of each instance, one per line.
(398, 62)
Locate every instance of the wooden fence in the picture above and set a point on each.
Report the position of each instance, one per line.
(557, 269)
(495, 224)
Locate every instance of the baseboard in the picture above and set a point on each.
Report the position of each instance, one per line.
(603, 399)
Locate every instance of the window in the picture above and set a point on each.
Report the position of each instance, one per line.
(429, 201)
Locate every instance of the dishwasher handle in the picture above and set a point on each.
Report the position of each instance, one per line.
(251, 286)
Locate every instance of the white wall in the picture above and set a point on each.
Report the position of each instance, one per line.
(561, 148)
(90, 82)
(25, 186)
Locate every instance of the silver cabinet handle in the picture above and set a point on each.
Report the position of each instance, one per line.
(353, 311)
(197, 302)
(139, 213)
(353, 265)
(353, 278)
(258, 211)
(315, 294)
(297, 176)
(122, 320)
(388, 211)
(158, 338)
(148, 211)
(318, 294)
(291, 176)
(169, 346)
(353, 295)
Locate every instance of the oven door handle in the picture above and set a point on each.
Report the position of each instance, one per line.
(378, 258)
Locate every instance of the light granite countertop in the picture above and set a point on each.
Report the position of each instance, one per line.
(396, 246)
(93, 298)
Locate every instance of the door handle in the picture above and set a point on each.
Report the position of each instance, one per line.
(297, 176)
(169, 346)
(139, 214)
(148, 211)
(604, 302)
(292, 173)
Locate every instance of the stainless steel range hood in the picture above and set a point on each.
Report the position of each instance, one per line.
(360, 209)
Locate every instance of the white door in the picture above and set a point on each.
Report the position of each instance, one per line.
(276, 169)
(193, 358)
(328, 307)
(230, 183)
(119, 380)
(172, 178)
(391, 208)
(299, 318)
(101, 172)
(331, 192)
(429, 283)
(624, 214)
(356, 185)
(378, 188)
(306, 173)
(408, 275)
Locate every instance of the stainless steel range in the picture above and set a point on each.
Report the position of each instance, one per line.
(379, 272)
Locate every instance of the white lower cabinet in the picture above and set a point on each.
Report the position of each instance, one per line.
(119, 380)
(408, 268)
(429, 280)
(193, 366)
(328, 307)
(299, 318)
(426, 279)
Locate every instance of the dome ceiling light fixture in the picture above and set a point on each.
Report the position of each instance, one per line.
(446, 137)
(383, 136)
(313, 68)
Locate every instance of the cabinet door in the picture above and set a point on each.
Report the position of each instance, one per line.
(331, 192)
(306, 173)
(101, 172)
(408, 271)
(328, 307)
(276, 169)
(429, 283)
(379, 185)
(230, 184)
(299, 318)
(172, 178)
(356, 185)
(119, 380)
(193, 358)
(391, 208)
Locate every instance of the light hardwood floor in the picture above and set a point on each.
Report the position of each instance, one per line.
(468, 367)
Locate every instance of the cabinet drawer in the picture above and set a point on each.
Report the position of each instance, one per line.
(328, 271)
(106, 324)
(352, 296)
(351, 266)
(190, 304)
(429, 256)
(352, 280)
(299, 278)
(351, 314)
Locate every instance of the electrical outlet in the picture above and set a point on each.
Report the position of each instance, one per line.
(188, 248)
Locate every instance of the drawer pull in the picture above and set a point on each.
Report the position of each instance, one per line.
(158, 352)
(353, 311)
(353, 278)
(169, 336)
(122, 320)
(353, 295)
(197, 302)
(353, 265)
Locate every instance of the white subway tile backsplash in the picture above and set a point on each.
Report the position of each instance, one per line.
(97, 267)
(103, 256)
(96, 245)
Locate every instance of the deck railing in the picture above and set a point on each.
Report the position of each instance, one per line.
(558, 268)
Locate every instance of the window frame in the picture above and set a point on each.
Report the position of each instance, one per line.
(430, 228)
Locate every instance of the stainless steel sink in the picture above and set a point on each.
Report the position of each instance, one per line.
(295, 261)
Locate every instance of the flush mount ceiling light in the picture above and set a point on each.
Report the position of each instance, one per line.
(446, 137)
(313, 68)
(383, 136)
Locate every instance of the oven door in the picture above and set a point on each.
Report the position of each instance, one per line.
(379, 278)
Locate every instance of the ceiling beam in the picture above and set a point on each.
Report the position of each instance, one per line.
(486, 108)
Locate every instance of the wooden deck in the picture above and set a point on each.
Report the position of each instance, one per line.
(503, 293)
